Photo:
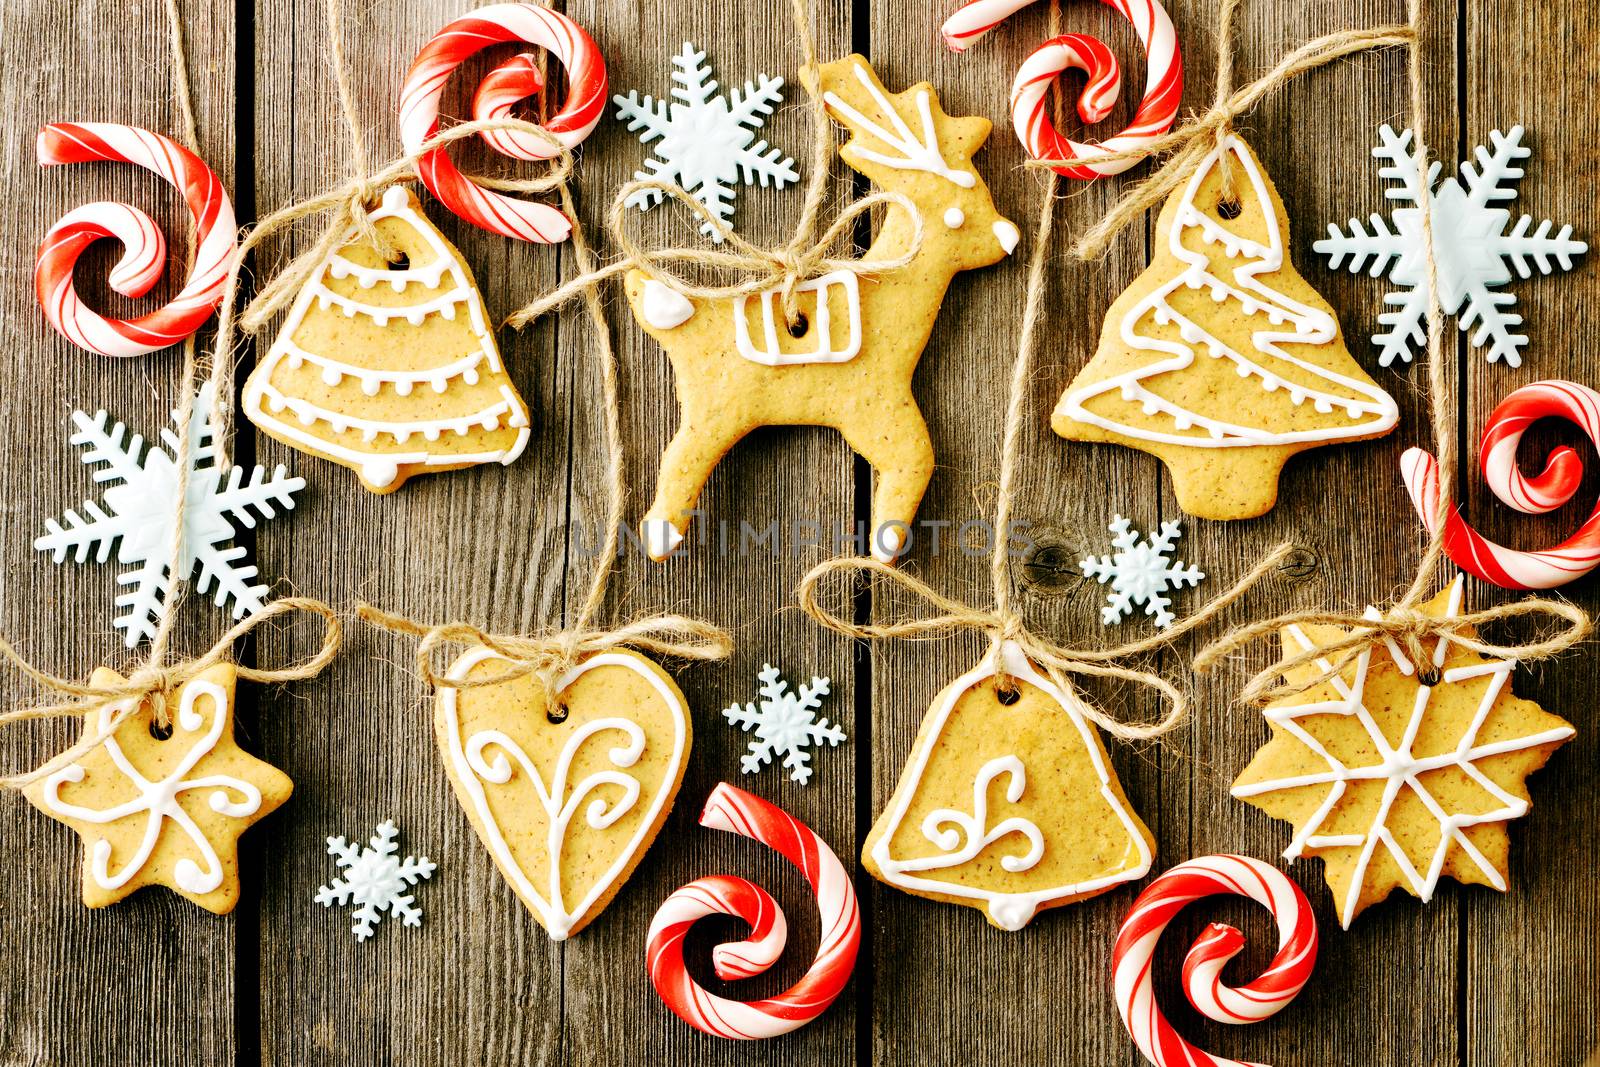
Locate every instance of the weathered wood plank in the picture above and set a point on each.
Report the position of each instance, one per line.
(1535, 66)
(69, 972)
(485, 544)
(790, 476)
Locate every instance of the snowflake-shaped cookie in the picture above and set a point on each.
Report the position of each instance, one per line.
(705, 140)
(1393, 782)
(785, 724)
(375, 879)
(1471, 248)
(141, 511)
(1140, 572)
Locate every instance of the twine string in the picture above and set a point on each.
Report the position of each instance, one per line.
(1406, 624)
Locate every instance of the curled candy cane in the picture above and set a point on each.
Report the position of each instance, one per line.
(509, 83)
(1545, 491)
(1030, 92)
(738, 812)
(1202, 967)
(144, 248)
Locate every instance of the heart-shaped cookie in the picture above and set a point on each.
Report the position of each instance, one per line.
(1008, 802)
(566, 808)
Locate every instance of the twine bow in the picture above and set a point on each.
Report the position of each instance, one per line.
(152, 682)
(1003, 624)
(549, 654)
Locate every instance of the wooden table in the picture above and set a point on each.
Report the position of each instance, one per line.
(1474, 977)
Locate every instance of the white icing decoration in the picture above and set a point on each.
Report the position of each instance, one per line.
(263, 401)
(955, 218)
(770, 354)
(1011, 911)
(914, 154)
(1398, 768)
(1007, 234)
(159, 799)
(1372, 412)
(560, 802)
(664, 307)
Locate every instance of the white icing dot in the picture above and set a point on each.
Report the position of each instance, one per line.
(471, 376)
(379, 472)
(415, 317)
(663, 307)
(332, 376)
(403, 388)
(370, 386)
(431, 433)
(954, 217)
(1004, 232)
(438, 385)
(1323, 407)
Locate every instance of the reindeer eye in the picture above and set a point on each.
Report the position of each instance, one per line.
(954, 217)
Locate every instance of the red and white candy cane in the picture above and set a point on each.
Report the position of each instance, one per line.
(1202, 967)
(738, 812)
(1030, 93)
(533, 24)
(1545, 491)
(144, 254)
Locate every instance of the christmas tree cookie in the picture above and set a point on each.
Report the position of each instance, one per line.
(1219, 359)
(390, 368)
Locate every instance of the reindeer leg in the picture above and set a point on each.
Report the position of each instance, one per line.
(896, 443)
(687, 463)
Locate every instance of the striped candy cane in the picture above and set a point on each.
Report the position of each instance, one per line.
(1545, 491)
(1030, 104)
(532, 24)
(738, 812)
(1202, 967)
(144, 254)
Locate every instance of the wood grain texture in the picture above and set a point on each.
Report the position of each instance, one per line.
(1473, 978)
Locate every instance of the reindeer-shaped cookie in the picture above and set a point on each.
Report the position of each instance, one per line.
(848, 360)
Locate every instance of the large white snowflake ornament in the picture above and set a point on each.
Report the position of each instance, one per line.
(141, 512)
(1471, 248)
(375, 879)
(706, 140)
(1140, 572)
(785, 724)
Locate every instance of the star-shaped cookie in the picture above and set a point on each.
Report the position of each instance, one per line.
(154, 811)
(1394, 783)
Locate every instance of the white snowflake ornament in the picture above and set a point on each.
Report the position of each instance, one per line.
(375, 880)
(785, 724)
(141, 512)
(705, 144)
(1140, 572)
(1471, 248)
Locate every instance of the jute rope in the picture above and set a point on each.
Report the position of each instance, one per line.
(803, 256)
(155, 678)
(1405, 623)
(1004, 621)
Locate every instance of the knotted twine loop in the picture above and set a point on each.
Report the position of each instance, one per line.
(550, 654)
(1405, 626)
(784, 269)
(1196, 139)
(153, 682)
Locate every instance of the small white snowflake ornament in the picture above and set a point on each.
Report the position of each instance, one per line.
(785, 724)
(1140, 572)
(375, 879)
(141, 511)
(1471, 248)
(705, 140)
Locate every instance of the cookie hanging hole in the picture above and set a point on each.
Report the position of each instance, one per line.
(556, 714)
(160, 731)
(1007, 694)
(1230, 208)
(799, 325)
(401, 261)
(1430, 676)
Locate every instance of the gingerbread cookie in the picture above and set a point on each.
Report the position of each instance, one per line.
(390, 368)
(847, 363)
(1008, 802)
(1392, 782)
(567, 809)
(155, 811)
(1219, 359)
